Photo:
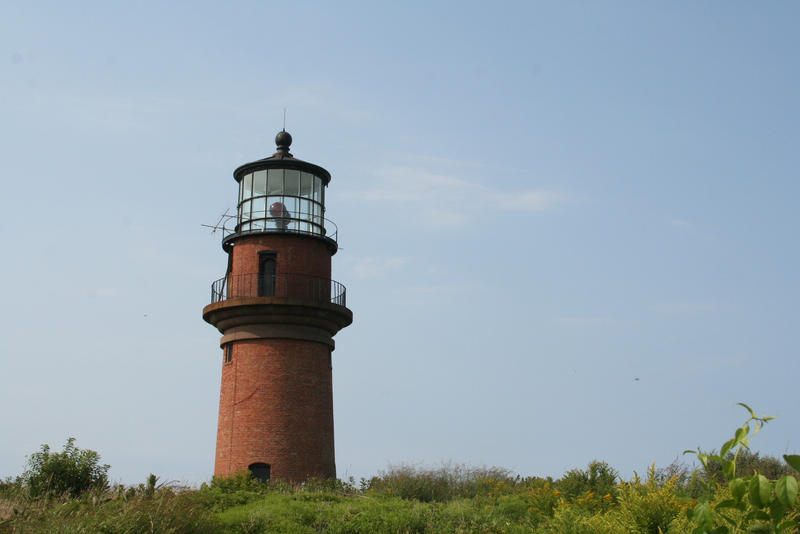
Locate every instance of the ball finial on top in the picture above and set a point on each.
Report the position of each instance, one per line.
(283, 140)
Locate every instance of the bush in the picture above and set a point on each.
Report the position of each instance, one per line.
(572, 520)
(651, 507)
(438, 485)
(599, 478)
(747, 464)
(542, 499)
(72, 471)
(753, 502)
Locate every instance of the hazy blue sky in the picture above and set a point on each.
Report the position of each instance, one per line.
(568, 230)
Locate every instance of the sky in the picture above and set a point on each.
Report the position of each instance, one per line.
(568, 230)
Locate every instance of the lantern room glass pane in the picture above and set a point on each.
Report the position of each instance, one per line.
(291, 184)
(244, 210)
(318, 215)
(259, 208)
(259, 183)
(291, 205)
(317, 189)
(275, 182)
(247, 186)
(306, 187)
(305, 209)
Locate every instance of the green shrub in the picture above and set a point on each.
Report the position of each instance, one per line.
(72, 471)
(598, 478)
(542, 499)
(747, 464)
(241, 481)
(651, 507)
(754, 503)
(438, 485)
(571, 520)
(228, 492)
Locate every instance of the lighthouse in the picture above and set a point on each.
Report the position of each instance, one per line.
(278, 309)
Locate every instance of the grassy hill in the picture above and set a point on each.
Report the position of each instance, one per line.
(404, 499)
(736, 492)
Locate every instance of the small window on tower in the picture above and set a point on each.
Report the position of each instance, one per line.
(266, 274)
(228, 352)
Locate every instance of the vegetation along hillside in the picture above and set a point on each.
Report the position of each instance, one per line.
(736, 491)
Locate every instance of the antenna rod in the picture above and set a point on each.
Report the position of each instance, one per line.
(284, 119)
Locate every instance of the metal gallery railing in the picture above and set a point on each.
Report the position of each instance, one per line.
(283, 221)
(298, 286)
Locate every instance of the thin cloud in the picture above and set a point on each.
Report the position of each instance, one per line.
(447, 201)
(318, 100)
(530, 200)
(374, 266)
(680, 223)
(446, 288)
(104, 292)
(685, 307)
(588, 321)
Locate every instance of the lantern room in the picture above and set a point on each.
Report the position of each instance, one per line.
(282, 194)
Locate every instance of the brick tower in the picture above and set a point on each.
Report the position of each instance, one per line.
(278, 310)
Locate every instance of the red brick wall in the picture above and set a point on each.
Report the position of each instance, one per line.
(295, 254)
(276, 407)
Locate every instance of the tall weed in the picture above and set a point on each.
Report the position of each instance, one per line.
(164, 512)
(446, 483)
(650, 507)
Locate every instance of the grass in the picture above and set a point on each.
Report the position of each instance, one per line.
(403, 499)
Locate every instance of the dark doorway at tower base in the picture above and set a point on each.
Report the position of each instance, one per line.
(260, 471)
